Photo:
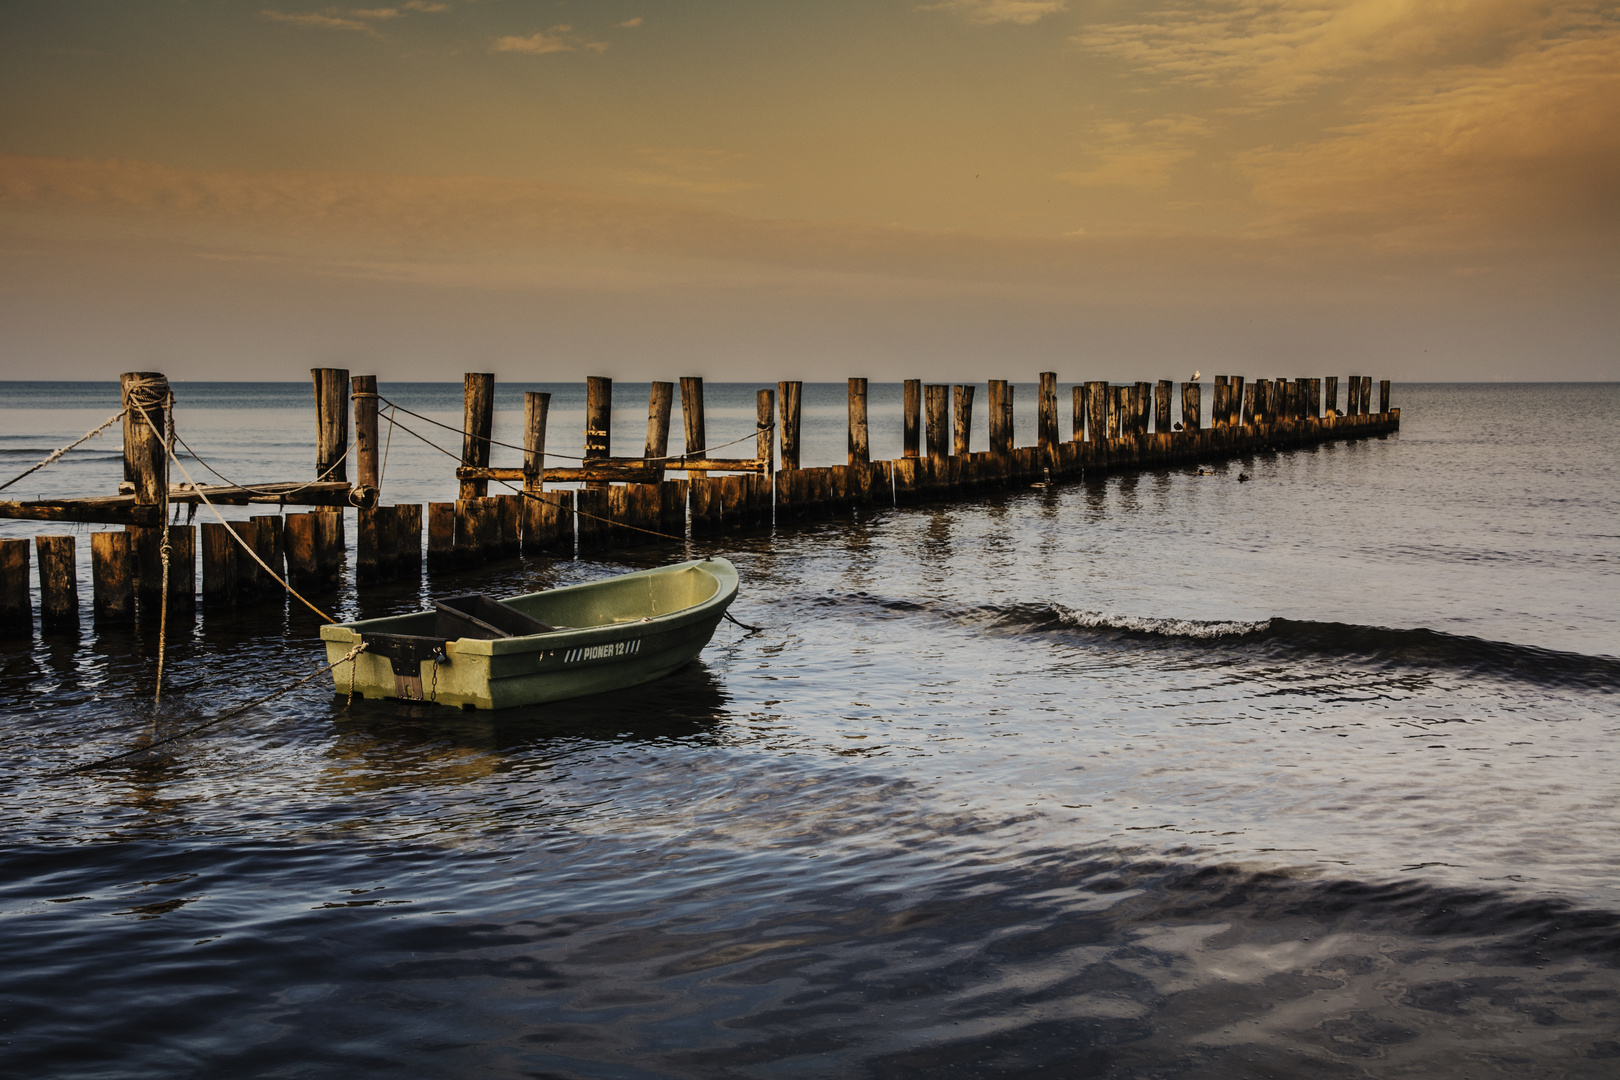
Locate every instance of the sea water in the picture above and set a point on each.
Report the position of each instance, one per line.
(1162, 774)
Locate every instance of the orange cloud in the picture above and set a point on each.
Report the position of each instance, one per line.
(314, 20)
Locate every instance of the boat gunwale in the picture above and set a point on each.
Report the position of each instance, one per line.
(720, 569)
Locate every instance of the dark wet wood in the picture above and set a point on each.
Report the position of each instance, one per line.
(367, 471)
(765, 431)
(1046, 419)
(58, 583)
(692, 420)
(477, 422)
(790, 393)
(536, 407)
(963, 419)
(911, 414)
(331, 422)
(219, 564)
(112, 586)
(937, 399)
(660, 400)
(859, 445)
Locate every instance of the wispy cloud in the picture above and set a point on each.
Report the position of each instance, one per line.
(631, 24)
(314, 20)
(556, 40)
(989, 12)
(376, 13)
(424, 6)
(1139, 154)
(689, 170)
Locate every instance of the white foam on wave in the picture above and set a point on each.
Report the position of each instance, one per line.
(1188, 628)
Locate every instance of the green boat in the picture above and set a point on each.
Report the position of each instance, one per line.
(481, 653)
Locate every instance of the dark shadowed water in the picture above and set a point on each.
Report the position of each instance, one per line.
(1146, 776)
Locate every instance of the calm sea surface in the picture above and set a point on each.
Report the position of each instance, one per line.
(1144, 776)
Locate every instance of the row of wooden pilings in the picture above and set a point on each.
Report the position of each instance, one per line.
(626, 501)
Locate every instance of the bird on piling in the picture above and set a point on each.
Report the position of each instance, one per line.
(1195, 376)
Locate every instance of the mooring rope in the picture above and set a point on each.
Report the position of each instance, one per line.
(221, 718)
(758, 427)
(163, 552)
(243, 544)
(540, 496)
(55, 455)
(198, 458)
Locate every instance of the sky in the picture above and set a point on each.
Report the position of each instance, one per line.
(760, 189)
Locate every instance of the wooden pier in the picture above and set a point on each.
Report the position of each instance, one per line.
(619, 501)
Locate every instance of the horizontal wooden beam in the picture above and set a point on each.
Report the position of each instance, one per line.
(124, 510)
(114, 510)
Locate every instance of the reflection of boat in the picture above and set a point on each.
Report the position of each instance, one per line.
(477, 652)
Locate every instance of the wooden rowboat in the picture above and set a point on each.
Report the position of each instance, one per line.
(480, 653)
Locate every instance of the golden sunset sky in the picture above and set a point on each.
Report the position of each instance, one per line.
(750, 190)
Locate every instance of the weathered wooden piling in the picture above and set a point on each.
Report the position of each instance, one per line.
(911, 411)
(964, 419)
(367, 468)
(860, 452)
(16, 603)
(938, 400)
(1161, 406)
(477, 421)
(1191, 406)
(1218, 406)
(1046, 411)
(1330, 395)
(1078, 393)
(58, 583)
(999, 417)
(220, 585)
(692, 421)
(146, 463)
(441, 539)
(660, 399)
(183, 566)
(1383, 395)
(790, 394)
(598, 422)
(112, 586)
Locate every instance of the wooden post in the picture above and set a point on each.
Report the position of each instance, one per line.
(964, 419)
(1078, 392)
(1217, 409)
(146, 462)
(859, 447)
(1191, 406)
(1352, 395)
(1097, 411)
(1116, 411)
(659, 399)
(183, 566)
(1161, 407)
(535, 408)
(220, 585)
(367, 475)
(1249, 398)
(939, 412)
(1330, 395)
(329, 545)
(368, 543)
(1383, 395)
(441, 543)
(765, 431)
(598, 421)
(692, 421)
(331, 422)
(248, 576)
(303, 552)
(1234, 402)
(58, 583)
(112, 589)
(478, 420)
(409, 539)
(912, 418)
(1047, 421)
(16, 604)
(1000, 418)
(790, 393)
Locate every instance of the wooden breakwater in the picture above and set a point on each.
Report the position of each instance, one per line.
(614, 501)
